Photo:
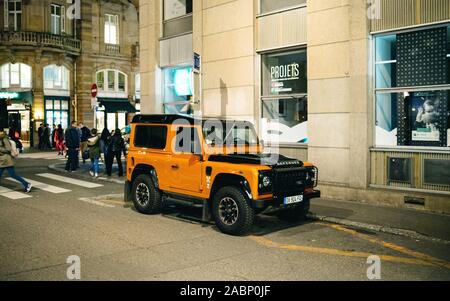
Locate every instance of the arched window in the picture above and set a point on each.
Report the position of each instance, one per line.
(15, 75)
(56, 77)
(112, 81)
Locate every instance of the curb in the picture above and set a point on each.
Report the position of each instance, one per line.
(377, 228)
(53, 167)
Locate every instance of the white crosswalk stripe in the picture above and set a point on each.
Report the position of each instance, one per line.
(44, 186)
(68, 180)
(13, 195)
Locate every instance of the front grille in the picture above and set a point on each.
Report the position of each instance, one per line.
(290, 181)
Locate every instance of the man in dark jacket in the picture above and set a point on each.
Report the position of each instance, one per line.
(115, 148)
(40, 133)
(85, 135)
(73, 147)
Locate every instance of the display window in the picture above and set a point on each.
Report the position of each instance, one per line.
(412, 88)
(284, 100)
(178, 90)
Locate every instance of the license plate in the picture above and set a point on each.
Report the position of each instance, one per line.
(293, 199)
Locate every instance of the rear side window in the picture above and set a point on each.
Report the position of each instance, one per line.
(150, 136)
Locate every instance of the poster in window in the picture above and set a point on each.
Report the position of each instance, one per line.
(425, 117)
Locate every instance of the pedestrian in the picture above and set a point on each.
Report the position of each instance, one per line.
(8, 152)
(14, 135)
(59, 140)
(104, 140)
(72, 139)
(94, 152)
(114, 150)
(55, 129)
(46, 137)
(40, 138)
(85, 135)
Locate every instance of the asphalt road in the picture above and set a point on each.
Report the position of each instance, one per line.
(114, 242)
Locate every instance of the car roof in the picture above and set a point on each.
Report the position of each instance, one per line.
(172, 118)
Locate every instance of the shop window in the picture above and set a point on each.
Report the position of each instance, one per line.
(268, 6)
(13, 15)
(285, 120)
(178, 90)
(57, 111)
(111, 29)
(15, 75)
(412, 60)
(111, 81)
(56, 77)
(177, 17)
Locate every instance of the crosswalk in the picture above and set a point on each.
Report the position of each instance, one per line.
(38, 185)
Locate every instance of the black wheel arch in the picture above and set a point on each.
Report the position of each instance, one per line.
(223, 180)
(143, 169)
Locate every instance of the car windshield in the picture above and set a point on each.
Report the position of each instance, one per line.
(229, 133)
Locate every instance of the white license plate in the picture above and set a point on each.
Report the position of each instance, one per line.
(293, 199)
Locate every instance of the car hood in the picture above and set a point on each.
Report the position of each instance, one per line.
(272, 160)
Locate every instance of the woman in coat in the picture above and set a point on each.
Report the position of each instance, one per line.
(115, 149)
(59, 140)
(7, 161)
(94, 152)
(104, 140)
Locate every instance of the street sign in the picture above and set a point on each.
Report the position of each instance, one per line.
(197, 62)
(94, 90)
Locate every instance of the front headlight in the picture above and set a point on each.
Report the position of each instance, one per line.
(265, 182)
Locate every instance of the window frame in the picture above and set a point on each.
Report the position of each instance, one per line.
(21, 75)
(111, 20)
(64, 73)
(15, 13)
(106, 83)
(277, 11)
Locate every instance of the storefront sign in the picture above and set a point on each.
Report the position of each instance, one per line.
(285, 73)
(10, 95)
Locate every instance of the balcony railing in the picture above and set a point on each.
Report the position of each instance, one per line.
(112, 49)
(40, 39)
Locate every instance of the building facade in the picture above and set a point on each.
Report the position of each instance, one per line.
(50, 57)
(360, 88)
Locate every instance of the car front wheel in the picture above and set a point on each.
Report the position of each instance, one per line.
(146, 198)
(232, 214)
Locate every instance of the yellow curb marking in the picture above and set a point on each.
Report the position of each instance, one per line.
(421, 256)
(271, 244)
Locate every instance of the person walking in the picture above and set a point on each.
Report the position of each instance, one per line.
(104, 140)
(59, 140)
(85, 135)
(40, 138)
(46, 138)
(73, 147)
(94, 152)
(114, 150)
(8, 152)
(55, 128)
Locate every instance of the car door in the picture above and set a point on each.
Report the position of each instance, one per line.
(186, 163)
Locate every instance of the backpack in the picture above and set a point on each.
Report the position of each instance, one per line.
(14, 151)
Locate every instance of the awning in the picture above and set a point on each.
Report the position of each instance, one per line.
(114, 105)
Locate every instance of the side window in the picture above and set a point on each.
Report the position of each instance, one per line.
(188, 141)
(151, 137)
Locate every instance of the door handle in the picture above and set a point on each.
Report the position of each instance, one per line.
(175, 166)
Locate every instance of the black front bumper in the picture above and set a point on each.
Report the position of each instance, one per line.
(278, 202)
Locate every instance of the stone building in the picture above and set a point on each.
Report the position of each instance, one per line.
(358, 87)
(51, 53)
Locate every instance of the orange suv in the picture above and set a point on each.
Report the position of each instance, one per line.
(219, 165)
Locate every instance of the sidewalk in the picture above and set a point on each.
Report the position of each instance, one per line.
(407, 222)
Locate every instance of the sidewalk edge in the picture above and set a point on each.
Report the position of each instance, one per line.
(377, 228)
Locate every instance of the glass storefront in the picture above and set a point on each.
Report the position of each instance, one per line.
(284, 97)
(412, 95)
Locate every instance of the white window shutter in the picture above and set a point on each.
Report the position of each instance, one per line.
(116, 20)
(63, 19)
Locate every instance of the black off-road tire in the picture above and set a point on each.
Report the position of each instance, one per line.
(245, 213)
(296, 214)
(146, 198)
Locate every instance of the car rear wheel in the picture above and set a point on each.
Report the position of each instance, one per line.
(296, 214)
(232, 214)
(146, 198)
